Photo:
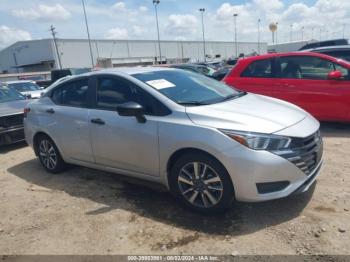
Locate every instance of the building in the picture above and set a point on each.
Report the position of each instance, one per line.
(41, 55)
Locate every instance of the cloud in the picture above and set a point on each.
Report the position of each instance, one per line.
(138, 30)
(117, 33)
(9, 35)
(43, 13)
(119, 6)
(181, 25)
(143, 9)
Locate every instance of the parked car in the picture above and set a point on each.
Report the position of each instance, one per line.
(341, 51)
(221, 72)
(333, 42)
(201, 69)
(213, 64)
(12, 104)
(205, 141)
(318, 83)
(27, 88)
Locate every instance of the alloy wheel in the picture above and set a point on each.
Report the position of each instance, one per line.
(48, 154)
(200, 185)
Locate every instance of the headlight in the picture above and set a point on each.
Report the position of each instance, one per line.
(259, 141)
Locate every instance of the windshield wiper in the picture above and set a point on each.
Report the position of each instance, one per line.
(191, 103)
(229, 97)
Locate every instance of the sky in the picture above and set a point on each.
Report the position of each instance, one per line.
(178, 19)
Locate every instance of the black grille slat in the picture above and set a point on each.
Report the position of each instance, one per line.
(305, 153)
(11, 121)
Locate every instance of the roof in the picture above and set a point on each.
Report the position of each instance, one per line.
(335, 47)
(132, 70)
(19, 81)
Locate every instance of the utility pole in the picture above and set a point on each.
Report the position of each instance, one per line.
(259, 21)
(276, 32)
(235, 22)
(312, 33)
(202, 10)
(156, 3)
(88, 34)
(343, 31)
(53, 32)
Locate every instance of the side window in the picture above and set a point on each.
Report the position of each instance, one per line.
(73, 93)
(260, 69)
(112, 91)
(305, 67)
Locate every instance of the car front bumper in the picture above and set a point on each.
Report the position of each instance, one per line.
(250, 169)
(11, 135)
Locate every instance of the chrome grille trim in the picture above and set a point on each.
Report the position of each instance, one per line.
(305, 153)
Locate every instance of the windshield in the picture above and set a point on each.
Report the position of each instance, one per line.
(24, 86)
(9, 94)
(188, 88)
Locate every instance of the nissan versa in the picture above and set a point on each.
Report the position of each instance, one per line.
(207, 142)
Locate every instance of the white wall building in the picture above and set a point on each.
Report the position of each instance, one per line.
(40, 55)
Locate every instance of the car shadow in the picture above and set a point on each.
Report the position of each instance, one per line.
(329, 129)
(7, 148)
(153, 202)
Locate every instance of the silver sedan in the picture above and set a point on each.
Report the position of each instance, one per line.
(207, 142)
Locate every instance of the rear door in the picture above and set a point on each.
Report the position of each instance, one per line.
(257, 77)
(66, 119)
(303, 80)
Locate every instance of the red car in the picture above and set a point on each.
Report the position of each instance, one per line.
(318, 83)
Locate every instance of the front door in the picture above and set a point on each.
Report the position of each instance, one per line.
(118, 141)
(303, 80)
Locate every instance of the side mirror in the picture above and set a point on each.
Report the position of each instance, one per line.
(132, 109)
(335, 75)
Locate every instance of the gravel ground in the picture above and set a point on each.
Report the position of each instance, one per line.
(84, 211)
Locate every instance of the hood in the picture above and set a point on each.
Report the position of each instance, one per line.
(254, 113)
(12, 107)
(33, 94)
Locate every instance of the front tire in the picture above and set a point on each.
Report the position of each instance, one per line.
(201, 182)
(49, 155)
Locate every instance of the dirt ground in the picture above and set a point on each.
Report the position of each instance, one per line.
(84, 211)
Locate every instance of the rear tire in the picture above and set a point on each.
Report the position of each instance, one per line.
(49, 155)
(201, 182)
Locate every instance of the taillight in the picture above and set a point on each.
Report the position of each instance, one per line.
(26, 111)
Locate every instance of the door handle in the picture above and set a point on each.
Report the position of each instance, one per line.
(50, 111)
(97, 121)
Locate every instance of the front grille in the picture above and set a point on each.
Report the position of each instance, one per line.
(11, 121)
(305, 153)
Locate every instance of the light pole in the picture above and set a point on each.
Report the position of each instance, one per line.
(291, 32)
(156, 3)
(312, 33)
(202, 10)
(276, 32)
(320, 33)
(259, 21)
(343, 31)
(235, 22)
(88, 34)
